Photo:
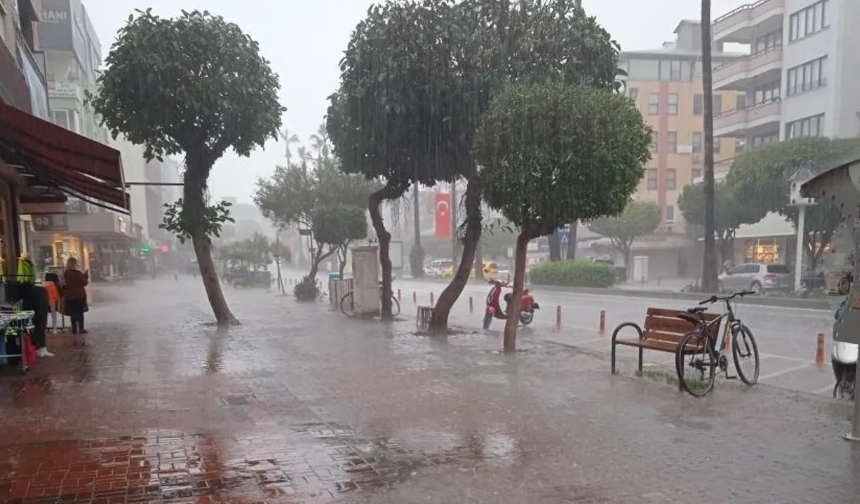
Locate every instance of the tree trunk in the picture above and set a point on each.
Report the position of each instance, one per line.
(554, 241)
(709, 265)
(571, 245)
(510, 344)
(194, 207)
(479, 260)
(439, 321)
(627, 252)
(281, 289)
(341, 258)
(384, 238)
(416, 266)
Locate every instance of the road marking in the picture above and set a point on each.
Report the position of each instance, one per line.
(784, 371)
(784, 357)
(824, 390)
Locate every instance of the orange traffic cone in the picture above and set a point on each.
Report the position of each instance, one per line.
(819, 351)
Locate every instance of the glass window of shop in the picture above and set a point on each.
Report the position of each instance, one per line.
(764, 250)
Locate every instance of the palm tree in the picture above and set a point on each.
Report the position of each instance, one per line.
(290, 140)
(709, 266)
(319, 142)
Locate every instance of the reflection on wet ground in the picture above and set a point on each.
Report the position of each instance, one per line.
(301, 405)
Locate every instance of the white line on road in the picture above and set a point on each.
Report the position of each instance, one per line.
(785, 371)
(784, 357)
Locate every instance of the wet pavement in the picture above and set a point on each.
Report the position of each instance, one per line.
(302, 405)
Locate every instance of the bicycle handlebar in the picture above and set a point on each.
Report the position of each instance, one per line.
(715, 298)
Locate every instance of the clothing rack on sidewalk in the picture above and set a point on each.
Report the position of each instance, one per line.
(15, 328)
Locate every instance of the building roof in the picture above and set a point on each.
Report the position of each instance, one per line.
(687, 21)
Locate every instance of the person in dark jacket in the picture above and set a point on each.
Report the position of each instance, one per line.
(75, 294)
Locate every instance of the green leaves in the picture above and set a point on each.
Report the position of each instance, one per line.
(730, 211)
(195, 84)
(552, 153)
(177, 221)
(637, 219)
(339, 224)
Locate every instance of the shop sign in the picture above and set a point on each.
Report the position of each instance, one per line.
(52, 222)
(64, 90)
(75, 206)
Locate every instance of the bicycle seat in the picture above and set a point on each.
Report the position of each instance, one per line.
(690, 318)
(697, 309)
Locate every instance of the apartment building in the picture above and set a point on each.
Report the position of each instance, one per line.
(799, 80)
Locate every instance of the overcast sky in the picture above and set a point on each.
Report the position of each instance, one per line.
(305, 39)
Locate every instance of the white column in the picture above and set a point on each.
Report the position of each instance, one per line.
(798, 263)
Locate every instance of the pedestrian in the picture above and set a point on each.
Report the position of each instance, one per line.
(76, 294)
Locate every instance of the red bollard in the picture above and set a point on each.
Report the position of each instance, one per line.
(414, 298)
(819, 351)
(602, 321)
(471, 306)
(398, 295)
(431, 299)
(558, 318)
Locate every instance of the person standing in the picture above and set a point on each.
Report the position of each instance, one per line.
(76, 294)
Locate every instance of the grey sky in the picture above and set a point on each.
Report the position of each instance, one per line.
(304, 40)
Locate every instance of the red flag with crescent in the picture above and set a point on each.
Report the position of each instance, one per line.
(443, 215)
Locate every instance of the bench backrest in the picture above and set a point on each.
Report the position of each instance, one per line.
(662, 324)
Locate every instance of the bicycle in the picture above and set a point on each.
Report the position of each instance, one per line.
(706, 357)
(347, 305)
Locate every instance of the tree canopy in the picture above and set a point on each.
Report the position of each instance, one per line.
(761, 179)
(552, 153)
(730, 212)
(637, 219)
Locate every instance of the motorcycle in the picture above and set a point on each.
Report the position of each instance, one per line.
(843, 359)
(494, 309)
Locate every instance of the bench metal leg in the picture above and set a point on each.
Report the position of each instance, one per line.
(641, 352)
(613, 354)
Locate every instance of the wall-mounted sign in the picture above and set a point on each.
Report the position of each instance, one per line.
(52, 222)
(65, 90)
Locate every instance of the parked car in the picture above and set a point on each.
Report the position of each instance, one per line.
(757, 277)
(434, 268)
(491, 271)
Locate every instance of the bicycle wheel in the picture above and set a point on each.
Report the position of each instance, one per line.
(346, 304)
(696, 355)
(744, 347)
(395, 306)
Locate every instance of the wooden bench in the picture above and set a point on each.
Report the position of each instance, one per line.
(661, 332)
(425, 313)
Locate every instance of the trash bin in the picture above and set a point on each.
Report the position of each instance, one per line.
(334, 276)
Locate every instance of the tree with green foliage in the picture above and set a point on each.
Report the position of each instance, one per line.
(193, 85)
(761, 179)
(418, 75)
(731, 213)
(637, 219)
(315, 200)
(542, 169)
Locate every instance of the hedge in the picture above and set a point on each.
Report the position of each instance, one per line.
(573, 274)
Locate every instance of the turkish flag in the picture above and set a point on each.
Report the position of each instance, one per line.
(443, 214)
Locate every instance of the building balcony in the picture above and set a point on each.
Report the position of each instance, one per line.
(750, 71)
(13, 85)
(752, 121)
(741, 24)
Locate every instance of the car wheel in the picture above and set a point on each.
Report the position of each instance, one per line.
(756, 287)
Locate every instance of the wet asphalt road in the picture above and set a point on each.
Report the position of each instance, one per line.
(787, 337)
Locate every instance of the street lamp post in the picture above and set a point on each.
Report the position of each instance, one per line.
(799, 178)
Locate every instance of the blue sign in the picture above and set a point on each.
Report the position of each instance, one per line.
(564, 236)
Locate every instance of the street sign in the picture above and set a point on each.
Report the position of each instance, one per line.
(165, 248)
(145, 249)
(304, 232)
(52, 222)
(564, 236)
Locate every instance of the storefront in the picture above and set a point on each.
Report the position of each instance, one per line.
(768, 241)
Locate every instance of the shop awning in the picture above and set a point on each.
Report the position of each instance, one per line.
(61, 158)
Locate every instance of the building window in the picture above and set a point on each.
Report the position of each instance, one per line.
(698, 104)
(766, 93)
(672, 141)
(807, 127)
(673, 104)
(675, 71)
(654, 139)
(718, 105)
(653, 103)
(718, 143)
(768, 42)
(634, 95)
(809, 20)
(67, 119)
(670, 214)
(697, 142)
(697, 173)
(740, 102)
(652, 178)
(671, 179)
(806, 77)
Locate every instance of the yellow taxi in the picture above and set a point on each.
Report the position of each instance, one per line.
(491, 271)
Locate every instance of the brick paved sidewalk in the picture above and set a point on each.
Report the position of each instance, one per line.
(302, 405)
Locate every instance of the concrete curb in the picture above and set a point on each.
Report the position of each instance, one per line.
(803, 303)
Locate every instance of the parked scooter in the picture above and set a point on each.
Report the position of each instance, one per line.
(494, 310)
(843, 358)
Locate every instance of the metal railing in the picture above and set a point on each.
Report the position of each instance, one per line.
(740, 9)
